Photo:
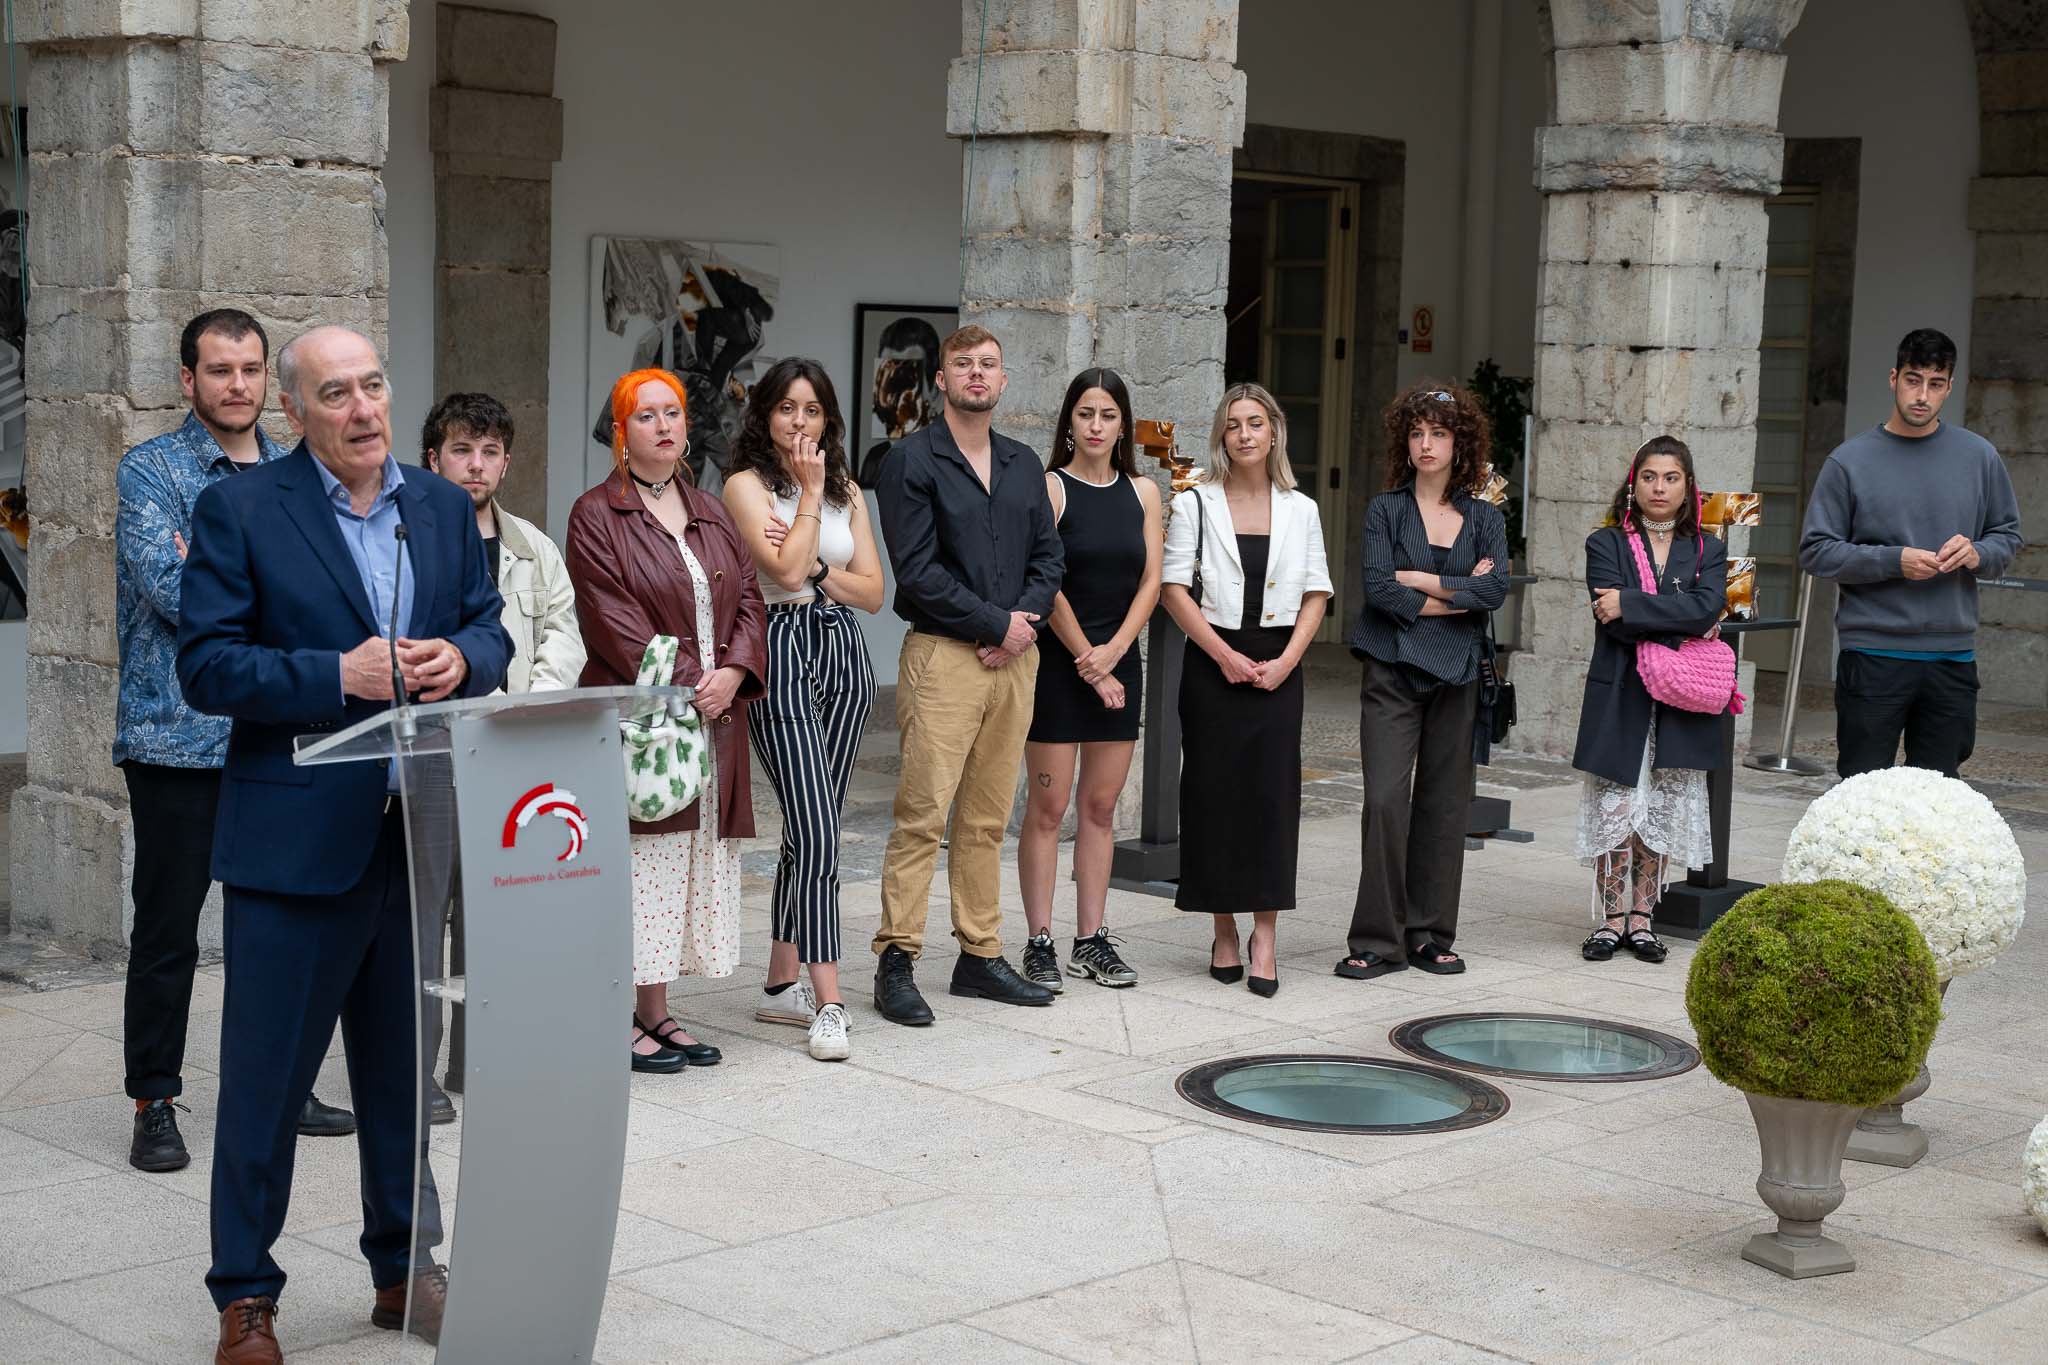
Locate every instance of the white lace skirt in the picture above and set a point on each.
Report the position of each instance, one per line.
(1666, 809)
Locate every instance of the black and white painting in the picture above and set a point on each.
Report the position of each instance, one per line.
(701, 310)
(13, 375)
(896, 371)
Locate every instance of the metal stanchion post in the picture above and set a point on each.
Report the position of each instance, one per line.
(1785, 761)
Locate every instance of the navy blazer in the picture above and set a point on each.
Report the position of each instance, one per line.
(271, 602)
(1390, 625)
(1617, 711)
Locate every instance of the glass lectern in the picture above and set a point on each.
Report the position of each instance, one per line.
(515, 809)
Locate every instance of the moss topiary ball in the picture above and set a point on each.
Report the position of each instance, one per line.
(1814, 991)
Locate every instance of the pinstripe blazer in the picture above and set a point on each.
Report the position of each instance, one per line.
(1390, 625)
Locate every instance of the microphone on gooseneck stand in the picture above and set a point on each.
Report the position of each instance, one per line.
(407, 727)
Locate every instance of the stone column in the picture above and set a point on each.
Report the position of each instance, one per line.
(186, 154)
(496, 133)
(1098, 204)
(1662, 149)
(2007, 399)
(1098, 208)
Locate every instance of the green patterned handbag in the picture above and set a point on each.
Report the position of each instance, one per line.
(665, 751)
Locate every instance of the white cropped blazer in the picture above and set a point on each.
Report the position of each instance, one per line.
(1295, 564)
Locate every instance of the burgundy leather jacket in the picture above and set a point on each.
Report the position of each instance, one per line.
(631, 585)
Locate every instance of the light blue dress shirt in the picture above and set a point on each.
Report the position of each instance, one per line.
(374, 546)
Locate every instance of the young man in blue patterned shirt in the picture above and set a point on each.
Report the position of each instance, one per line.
(169, 754)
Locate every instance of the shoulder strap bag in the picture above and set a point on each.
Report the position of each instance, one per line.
(665, 749)
(1699, 675)
(1201, 535)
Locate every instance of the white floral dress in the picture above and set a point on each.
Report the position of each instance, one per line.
(686, 885)
(1666, 809)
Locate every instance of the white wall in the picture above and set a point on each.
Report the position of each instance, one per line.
(814, 125)
(1903, 77)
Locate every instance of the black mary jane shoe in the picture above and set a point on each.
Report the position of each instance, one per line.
(1441, 961)
(1375, 965)
(1646, 946)
(667, 1033)
(666, 1061)
(1600, 944)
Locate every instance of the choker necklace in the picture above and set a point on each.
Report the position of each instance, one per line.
(1648, 525)
(655, 489)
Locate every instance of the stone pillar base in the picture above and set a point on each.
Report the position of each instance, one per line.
(72, 860)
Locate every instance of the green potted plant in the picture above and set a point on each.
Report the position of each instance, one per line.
(1816, 1000)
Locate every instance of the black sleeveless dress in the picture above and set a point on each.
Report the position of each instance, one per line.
(1103, 530)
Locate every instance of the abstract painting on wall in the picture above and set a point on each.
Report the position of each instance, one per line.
(13, 367)
(701, 310)
(896, 376)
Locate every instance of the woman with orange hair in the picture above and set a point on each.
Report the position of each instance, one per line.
(650, 554)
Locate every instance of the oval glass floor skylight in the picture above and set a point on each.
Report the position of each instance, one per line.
(1550, 1047)
(1340, 1094)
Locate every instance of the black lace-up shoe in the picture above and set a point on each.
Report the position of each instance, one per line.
(157, 1145)
(324, 1120)
(896, 994)
(992, 978)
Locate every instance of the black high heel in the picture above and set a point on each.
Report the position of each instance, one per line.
(1230, 975)
(1266, 987)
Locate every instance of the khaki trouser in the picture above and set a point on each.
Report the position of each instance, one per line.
(963, 731)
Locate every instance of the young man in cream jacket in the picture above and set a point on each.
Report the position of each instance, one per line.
(468, 441)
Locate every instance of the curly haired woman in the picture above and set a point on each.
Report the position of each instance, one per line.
(1435, 566)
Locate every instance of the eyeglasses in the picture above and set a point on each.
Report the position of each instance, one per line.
(967, 364)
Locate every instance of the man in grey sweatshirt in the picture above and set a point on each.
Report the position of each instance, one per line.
(1905, 518)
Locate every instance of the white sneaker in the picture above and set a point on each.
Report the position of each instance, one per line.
(793, 1006)
(828, 1035)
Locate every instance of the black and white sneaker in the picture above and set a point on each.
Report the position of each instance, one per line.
(1096, 956)
(1042, 962)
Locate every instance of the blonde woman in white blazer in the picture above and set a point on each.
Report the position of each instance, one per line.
(1257, 544)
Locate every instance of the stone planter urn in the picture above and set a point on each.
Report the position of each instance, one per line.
(1817, 1000)
(1802, 1143)
(1882, 1136)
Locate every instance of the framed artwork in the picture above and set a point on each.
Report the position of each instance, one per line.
(704, 311)
(896, 367)
(14, 283)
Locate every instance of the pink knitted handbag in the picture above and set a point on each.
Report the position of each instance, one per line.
(1697, 676)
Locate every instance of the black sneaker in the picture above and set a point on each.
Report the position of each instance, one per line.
(992, 978)
(1042, 962)
(1096, 956)
(156, 1145)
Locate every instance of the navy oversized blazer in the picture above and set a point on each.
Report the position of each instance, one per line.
(1617, 711)
(271, 601)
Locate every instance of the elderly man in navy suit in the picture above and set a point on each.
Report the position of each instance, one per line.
(288, 612)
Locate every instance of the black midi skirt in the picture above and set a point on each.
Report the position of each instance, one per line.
(1240, 781)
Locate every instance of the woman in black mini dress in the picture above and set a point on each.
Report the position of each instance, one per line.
(1089, 674)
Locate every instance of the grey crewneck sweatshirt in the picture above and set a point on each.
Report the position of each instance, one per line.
(1879, 493)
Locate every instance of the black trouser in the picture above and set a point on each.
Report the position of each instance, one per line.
(1411, 859)
(1931, 702)
(173, 812)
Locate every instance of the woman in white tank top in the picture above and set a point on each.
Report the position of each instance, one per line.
(802, 516)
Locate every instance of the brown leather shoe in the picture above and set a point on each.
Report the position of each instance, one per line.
(248, 1333)
(429, 1300)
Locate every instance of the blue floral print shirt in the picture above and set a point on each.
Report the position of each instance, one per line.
(158, 482)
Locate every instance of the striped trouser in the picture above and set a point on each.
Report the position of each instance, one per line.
(806, 732)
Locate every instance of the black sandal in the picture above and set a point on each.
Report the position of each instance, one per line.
(699, 1054)
(1373, 965)
(1646, 945)
(1600, 944)
(1441, 961)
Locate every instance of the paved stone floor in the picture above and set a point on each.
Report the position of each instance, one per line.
(1025, 1185)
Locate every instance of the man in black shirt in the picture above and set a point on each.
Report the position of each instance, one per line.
(978, 562)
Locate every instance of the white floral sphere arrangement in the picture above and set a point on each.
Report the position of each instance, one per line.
(2034, 1176)
(1930, 844)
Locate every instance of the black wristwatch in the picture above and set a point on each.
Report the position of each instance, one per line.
(818, 578)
